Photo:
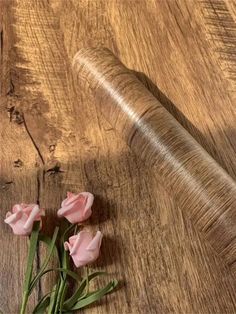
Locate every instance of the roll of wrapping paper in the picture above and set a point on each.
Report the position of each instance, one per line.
(200, 187)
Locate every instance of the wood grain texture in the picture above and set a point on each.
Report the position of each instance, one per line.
(50, 124)
(204, 191)
(221, 28)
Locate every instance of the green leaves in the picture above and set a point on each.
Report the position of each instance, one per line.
(59, 300)
(78, 300)
(78, 293)
(62, 270)
(46, 261)
(42, 305)
(64, 262)
(29, 284)
(95, 296)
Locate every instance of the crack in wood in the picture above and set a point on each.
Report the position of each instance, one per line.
(1, 42)
(33, 141)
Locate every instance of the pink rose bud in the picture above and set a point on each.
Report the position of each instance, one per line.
(84, 249)
(22, 218)
(76, 207)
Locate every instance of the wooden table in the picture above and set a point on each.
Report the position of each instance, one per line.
(53, 140)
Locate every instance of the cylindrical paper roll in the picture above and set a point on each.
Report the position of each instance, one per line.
(201, 188)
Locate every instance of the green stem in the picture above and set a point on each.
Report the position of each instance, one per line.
(87, 280)
(76, 229)
(64, 264)
(52, 300)
(29, 267)
(59, 295)
(24, 302)
(63, 295)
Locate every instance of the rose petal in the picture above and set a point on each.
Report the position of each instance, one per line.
(63, 210)
(90, 200)
(96, 242)
(11, 218)
(35, 211)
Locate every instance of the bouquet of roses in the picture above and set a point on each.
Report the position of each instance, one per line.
(82, 247)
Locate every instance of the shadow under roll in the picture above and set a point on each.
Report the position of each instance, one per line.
(200, 187)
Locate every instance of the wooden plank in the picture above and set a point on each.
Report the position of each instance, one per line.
(19, 176)
(163, 264)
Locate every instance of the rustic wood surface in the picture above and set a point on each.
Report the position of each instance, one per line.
(53, 139)
(203, 190)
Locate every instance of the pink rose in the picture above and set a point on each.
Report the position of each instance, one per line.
(84, 249)
(22, 218)
(76, 207)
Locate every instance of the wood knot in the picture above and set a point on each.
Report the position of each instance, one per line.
(5, 185)
(52, 148)
(18, 163)
(53, 168)
(14, 114)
